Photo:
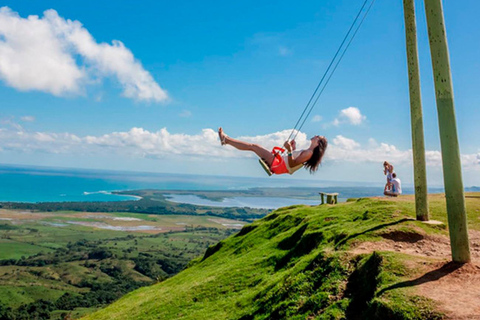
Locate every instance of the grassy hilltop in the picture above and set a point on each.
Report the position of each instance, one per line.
(364, 259)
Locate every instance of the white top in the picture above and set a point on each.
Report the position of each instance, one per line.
(294, 154)
(397, 186)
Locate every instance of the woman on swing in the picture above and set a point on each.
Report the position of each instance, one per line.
(309, 158)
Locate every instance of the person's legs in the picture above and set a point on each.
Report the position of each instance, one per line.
(260, 151)
(388, 187)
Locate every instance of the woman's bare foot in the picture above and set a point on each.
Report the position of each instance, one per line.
(222, 136)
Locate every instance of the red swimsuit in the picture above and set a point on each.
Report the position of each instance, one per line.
(278, 164)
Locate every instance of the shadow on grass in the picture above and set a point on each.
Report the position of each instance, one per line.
(305, 245)
(361, 286)
(342, 240)
(433, 275)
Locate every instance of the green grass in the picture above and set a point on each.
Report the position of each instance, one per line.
(77, 313)
(31, 237)
(182, 246)
(296, 263)
(15, 296)
(11, 249)
(66, 266)
(47, 238)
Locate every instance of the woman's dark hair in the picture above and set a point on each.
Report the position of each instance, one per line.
(313, 163)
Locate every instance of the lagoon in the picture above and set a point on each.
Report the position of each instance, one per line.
(251, 202)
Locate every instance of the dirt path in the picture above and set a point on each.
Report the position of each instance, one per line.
(456, 288)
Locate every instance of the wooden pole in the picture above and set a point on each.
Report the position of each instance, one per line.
(452, 169)
(418, 144)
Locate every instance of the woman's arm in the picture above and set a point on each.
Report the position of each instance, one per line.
(300, 159)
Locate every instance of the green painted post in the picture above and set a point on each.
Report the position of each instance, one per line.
(418, 144)
(452, 169)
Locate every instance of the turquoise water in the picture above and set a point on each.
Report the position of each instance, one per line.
(40, 184)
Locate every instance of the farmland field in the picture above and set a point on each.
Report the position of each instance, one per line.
(70, 263)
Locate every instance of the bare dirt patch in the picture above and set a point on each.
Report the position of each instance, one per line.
(22, 215)
(403, 236)
(418, 244)
(455, 287)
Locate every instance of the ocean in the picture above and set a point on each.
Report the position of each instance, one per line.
(43, 184)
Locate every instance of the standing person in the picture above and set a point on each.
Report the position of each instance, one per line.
(309, 158)
(388, 171)
(396, 187)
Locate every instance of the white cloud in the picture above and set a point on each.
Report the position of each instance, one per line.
(137, 142)
(345, 149)
(433, 157)
(28, 118)
(41, 53)
(471, 160)
(162, 144)
(277, 139)
(345, 143)
(33, 58)
(317, 118)
(351, 115)
(10, 123)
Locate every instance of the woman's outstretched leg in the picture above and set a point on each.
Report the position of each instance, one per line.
(260, 151)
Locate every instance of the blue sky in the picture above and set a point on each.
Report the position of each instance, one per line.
(184, 68)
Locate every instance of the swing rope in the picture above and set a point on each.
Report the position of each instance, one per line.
(311, 105)
(335, 63)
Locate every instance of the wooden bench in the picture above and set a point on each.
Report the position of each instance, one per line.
(332, 198)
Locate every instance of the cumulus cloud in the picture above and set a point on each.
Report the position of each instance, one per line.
(345, 143)
(351, 115)
(137, 142)
(277, 139)
(317, 118)
(345, 149)
(61, 57)
(162, 144)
